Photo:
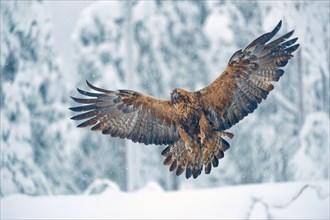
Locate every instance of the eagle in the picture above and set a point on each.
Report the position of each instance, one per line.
(192, 125)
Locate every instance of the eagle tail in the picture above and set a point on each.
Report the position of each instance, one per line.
(181, 158)
(214, 151)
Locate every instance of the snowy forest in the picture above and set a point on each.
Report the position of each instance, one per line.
(153, 47)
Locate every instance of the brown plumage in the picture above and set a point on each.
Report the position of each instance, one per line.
(192, 124)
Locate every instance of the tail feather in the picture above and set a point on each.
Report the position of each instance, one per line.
(188, 172)
(215, 161)
(191, 160)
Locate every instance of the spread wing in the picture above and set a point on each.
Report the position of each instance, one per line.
(247, 79)
(128, 114)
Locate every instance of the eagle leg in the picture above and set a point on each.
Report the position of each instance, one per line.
(227, 134)
(204, 129)
(191, 147)
(185, 137)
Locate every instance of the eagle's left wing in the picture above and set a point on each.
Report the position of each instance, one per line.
(128, 114)
(247, 79)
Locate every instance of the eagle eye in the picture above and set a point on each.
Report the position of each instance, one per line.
(175, 96)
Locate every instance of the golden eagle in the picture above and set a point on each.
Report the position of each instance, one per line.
(192, 124)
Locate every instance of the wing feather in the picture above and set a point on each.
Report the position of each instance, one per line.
(247, 79)
(127, 114)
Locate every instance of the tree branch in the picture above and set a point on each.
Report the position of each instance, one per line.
(268, 207)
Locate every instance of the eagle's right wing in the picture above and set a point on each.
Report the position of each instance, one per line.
(128, 114)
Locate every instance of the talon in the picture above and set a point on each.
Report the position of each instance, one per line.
(228, 134)
(202, 137)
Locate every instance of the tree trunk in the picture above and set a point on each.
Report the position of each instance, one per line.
(300, 88)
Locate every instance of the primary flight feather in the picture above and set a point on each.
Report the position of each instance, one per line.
(192, 124)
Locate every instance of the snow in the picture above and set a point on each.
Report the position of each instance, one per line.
(217, 27)
(308, 161)
(153, 47)
(292, 200)
(101, 186)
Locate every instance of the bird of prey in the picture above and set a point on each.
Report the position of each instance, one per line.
(192, 124)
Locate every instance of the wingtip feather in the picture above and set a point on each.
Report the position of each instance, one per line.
(278, 27)
(289, 34)
(97, 88)
(89, 84)
(81, 91)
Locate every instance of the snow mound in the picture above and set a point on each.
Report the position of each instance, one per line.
(152, 187)
(100, 186)
(295, 200)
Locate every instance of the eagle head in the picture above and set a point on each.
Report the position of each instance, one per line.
(179, 95)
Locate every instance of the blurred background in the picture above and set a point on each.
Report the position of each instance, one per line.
(48, 48)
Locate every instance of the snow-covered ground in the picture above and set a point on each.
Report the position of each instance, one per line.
(295, 200)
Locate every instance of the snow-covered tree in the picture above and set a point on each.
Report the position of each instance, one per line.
(164, 45)
(159, 46)
(36, 140)
(153, 47)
